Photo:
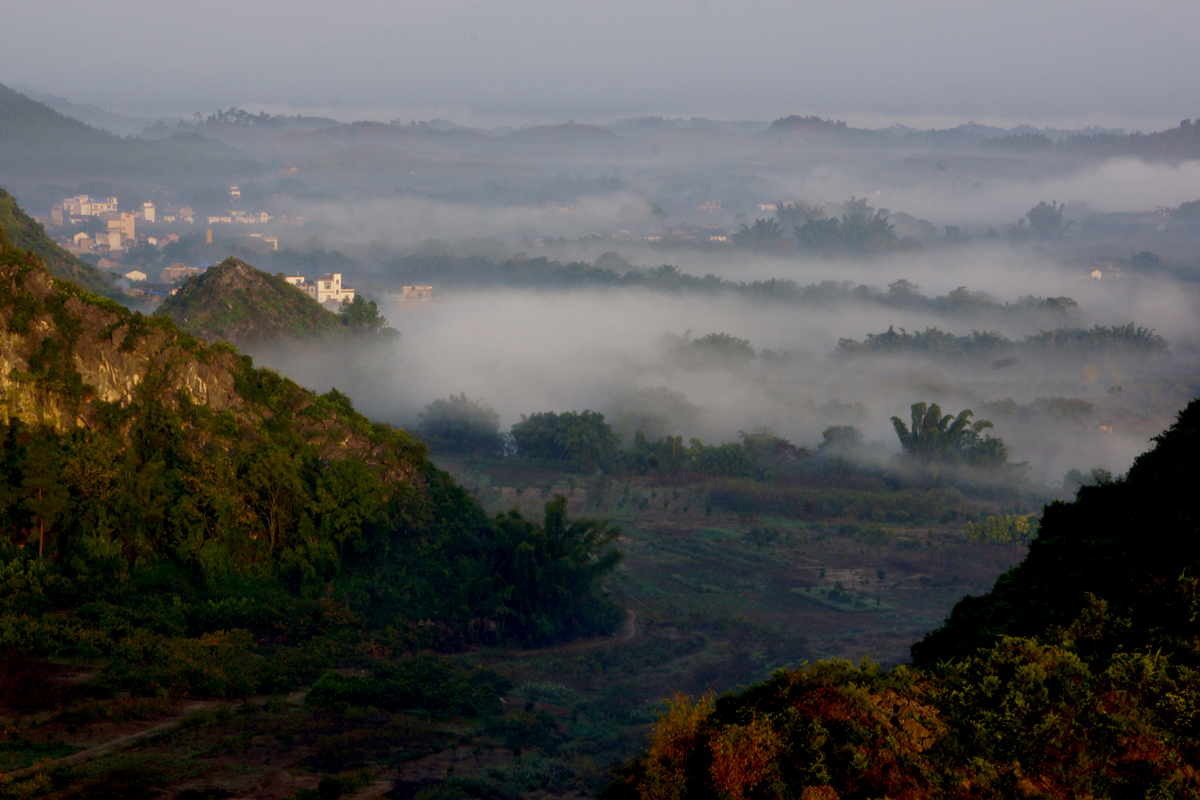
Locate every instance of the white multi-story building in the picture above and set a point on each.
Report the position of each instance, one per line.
(148, 212)
(325, 289)
(84, 206)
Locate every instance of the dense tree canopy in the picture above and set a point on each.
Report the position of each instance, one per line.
(580, 437)
(462, 425)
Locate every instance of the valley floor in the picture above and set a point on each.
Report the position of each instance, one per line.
(715, 599)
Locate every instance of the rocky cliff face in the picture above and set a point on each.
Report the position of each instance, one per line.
(70, 359)
(112, 352)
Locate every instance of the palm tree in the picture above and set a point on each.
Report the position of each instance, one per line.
(934, 438)
(764, 234)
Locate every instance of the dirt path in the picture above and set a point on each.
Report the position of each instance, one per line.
(129, 738)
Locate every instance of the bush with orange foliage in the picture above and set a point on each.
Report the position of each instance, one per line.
(1019, 720)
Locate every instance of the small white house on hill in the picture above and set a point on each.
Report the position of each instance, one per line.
(326, 289)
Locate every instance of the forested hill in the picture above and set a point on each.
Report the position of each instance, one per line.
(38, 141)
(23, 232)
(234, 302)
(1129, 547)
(139, 464)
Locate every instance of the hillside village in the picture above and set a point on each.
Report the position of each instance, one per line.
(109, 233)
(99, 225)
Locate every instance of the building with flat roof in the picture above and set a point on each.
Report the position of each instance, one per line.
(178, 272)
(328, 288)
(416, 296)
(123, 223)
(84, 206)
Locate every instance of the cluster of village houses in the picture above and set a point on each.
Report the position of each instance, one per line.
(108, 230)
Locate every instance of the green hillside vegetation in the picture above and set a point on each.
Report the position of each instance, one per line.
(612, 270)
(37, 140)
(234, 302)
(1118, 340)
(209, 528)
(1126, 546)
(936, 450)
(23, 232)
(1078, 675)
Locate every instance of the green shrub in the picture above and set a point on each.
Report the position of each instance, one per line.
(583, 438)
(462, 425)
(425, 682)
(219, 664)
(528, 729)
(534, 773)
(1009, 529)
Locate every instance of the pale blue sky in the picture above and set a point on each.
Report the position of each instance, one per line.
(869, 60)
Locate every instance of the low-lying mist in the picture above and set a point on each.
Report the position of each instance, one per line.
(637, 356)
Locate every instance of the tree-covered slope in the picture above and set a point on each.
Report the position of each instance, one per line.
(38, 141)
(1133, 544)
(1018, 720)
(156, 490)
(23, 232)
(234, 302)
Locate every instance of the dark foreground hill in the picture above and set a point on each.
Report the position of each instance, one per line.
(234, 302)
(1075, 677)
(1131, 547)
(156, 490)
(23, 232)
(36, 140)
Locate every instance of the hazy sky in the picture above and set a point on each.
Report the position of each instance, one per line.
(871, 60)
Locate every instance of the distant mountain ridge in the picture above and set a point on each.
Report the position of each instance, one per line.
(89, 114)
(36, 140)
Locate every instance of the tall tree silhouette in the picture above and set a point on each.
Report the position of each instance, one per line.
(45, 497)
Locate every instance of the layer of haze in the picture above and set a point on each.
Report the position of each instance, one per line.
(527, 351)
(946, 198)
(536, 59)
